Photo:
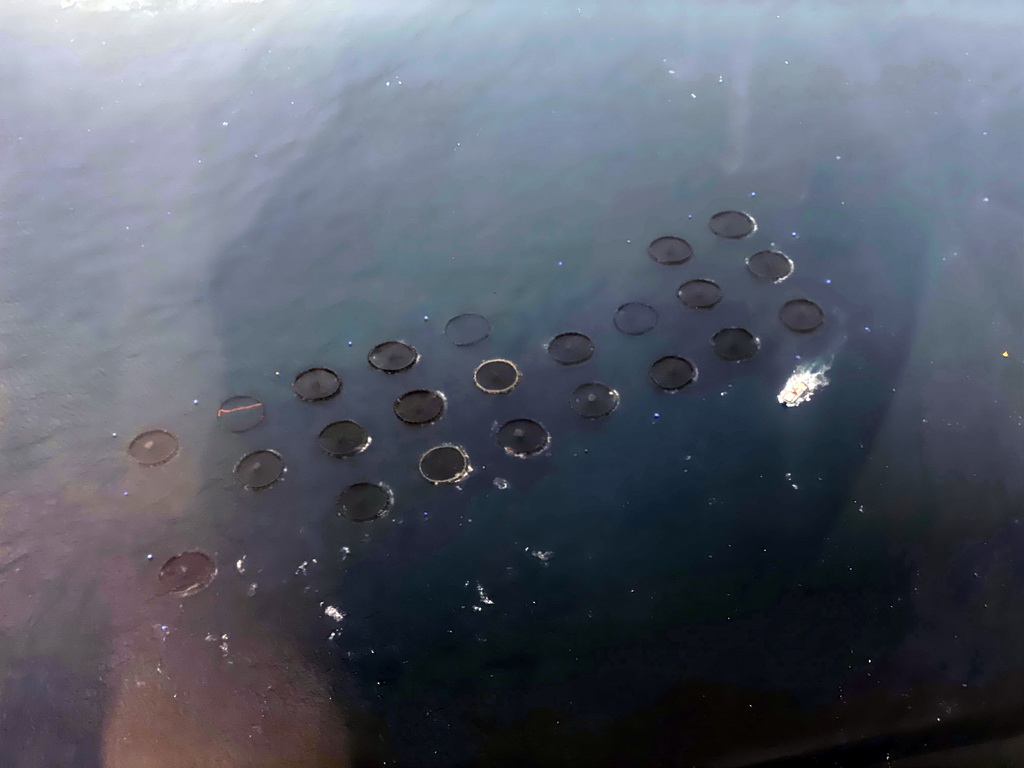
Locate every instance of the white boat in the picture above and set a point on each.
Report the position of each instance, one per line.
(801, 385)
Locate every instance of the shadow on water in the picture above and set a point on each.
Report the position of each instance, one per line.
(699, 556)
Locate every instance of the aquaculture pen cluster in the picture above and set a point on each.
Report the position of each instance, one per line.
(189, 572)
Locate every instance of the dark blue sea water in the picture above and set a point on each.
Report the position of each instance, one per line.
(203, 199)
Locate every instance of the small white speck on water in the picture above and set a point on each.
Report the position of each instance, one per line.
(195, 402)
(125, 493)
(350, 343)
(331, 612)
(113, 434)
(425, 318)
(559, 263)
(693, 95)
(483, 595)
(984, 199)
(224, 123)
(149, 556)
(671, 71)
(500, 483)
(828, 281)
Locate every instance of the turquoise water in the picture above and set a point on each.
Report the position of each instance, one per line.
(204, 201)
